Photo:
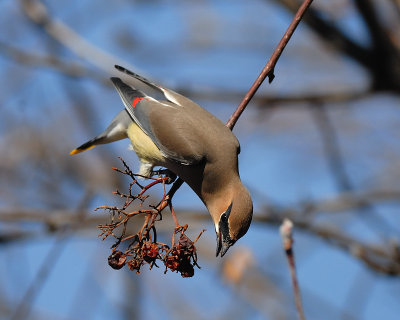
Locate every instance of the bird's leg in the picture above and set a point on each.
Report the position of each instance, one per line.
(146, 170)
(166, 173)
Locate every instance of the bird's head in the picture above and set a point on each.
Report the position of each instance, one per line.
(234, 221)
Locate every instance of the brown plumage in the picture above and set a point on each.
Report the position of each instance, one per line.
(169, 130)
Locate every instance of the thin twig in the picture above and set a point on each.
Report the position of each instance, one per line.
(382, 257)
(142, 247)
(38, 12)
(330, 33)
(171, 208)
(331, 145)
(287, 239)
(24, 307)
(267, 71)
(73, 68)
(335, 158)
(270, 66)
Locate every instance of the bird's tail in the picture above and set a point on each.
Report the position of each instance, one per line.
(87, 145)
(114, 132)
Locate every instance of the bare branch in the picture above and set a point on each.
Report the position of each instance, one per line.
(142, 246)
(286, 231)
(39, 14)
(79, 70)
(268, 70)
(384, 258)
(329, 33)
(381, 59)
(335, 159)
(25, 305)
(69, 68)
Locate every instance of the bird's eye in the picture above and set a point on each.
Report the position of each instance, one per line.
(224, 218)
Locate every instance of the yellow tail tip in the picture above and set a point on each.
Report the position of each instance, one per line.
(79, 150)
(75, 151)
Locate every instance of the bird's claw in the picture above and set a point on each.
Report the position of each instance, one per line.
(171, 177)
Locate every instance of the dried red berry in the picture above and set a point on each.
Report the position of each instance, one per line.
(188, 272)
(153, 251)
(182, 257)
(150, 251)
(134, 264)
(117, 260)
(172, 263)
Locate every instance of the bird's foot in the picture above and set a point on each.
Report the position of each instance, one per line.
(165, 173)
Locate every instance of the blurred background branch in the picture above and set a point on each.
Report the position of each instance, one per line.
(384, 258)
(320, 146)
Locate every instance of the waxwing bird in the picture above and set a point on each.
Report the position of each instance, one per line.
(169, 130)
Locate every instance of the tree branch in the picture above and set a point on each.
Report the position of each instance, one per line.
(268, 70)
(286, 229)
(330, 34)
(38, 13)
(384, 258)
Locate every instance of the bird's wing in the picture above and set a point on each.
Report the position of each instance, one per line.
(166, 123)
(138, 77)
(152, 89)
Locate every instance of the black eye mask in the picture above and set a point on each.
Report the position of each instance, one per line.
(224, 240)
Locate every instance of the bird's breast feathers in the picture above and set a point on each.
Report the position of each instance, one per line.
(142, 144)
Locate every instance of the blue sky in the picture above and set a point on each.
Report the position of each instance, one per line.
(205, 46)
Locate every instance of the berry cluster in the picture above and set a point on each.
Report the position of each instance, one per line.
(181, 257)
(142, 247)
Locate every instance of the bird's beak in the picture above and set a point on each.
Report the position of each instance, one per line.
(219, 243)
(223, 237)
(222, 246)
